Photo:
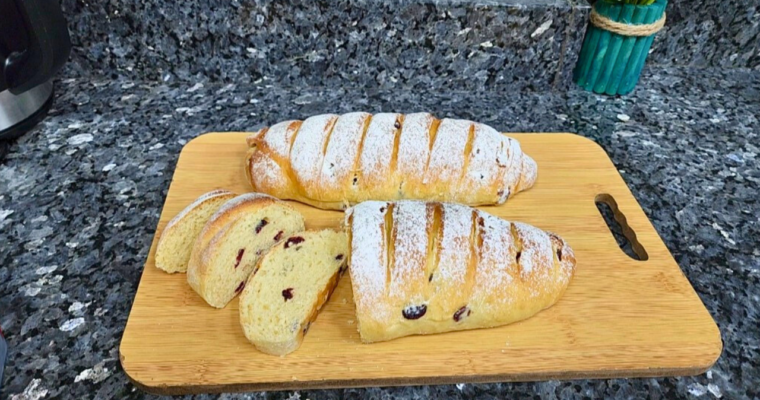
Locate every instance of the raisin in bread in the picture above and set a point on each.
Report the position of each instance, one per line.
(233, 240)
(177, 239)
(422, 268)
(329, 160)
(289, 286)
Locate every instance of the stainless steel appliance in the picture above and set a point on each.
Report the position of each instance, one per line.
(34, 44)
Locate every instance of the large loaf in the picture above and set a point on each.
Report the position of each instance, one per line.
(422, 268)
(331, 161)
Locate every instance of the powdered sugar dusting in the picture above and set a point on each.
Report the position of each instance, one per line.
(455, 242)
(375, 159)
(529, 172)
(414, 145)
(410, 256)
(342, 150)
(267, 174)
(368, 257)
(482, 169)
(567, 261)
(278, 137)
(493, 270)
(447, 158)
(323, 170)
(196, 203)
(347, 216)
(511, 156)
(306, 154)
(537, 252)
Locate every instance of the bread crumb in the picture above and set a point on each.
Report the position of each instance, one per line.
(350, 322)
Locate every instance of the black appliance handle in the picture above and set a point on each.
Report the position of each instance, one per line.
(49, 45)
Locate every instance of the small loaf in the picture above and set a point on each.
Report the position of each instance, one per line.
(289, 286)
(233, 240)
(177, 239)
(427, 267)
(331, 161)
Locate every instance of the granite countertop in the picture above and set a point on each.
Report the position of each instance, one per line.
(80, 197)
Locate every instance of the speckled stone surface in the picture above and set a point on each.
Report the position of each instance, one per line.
(710, 33)
(80, 197)
(435, 46)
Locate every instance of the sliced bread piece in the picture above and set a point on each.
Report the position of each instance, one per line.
(177, 239)
(233, 240)
(288, 288)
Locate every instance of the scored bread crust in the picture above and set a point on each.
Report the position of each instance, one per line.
(424, 268)
(331, 161)
(213, 234)
(172, 226)
(284, 347)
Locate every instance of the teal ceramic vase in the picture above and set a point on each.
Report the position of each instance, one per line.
(610, 63)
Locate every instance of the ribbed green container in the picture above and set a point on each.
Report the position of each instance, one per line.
(610, 63)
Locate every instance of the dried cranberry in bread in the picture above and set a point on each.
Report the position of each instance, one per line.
(422, 268)
(329, 161)
(177, 239)
(288, 288)
(233, 240)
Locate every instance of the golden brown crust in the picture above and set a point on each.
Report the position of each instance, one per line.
(323, 298)
(251, 139)
(464, 162)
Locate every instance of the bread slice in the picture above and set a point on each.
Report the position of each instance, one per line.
(177, 239)
(289, 287)
(233, 240)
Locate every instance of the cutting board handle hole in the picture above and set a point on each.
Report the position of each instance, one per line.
(621, 231)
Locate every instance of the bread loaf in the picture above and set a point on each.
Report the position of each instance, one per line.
(233, 240)
(331, 161)
(422, 268)
(177, 239)
(288, 288)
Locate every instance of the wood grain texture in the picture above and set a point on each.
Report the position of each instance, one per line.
(619, 317)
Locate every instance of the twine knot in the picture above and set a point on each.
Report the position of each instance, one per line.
(622, 29)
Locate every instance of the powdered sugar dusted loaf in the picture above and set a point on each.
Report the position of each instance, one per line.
(330, 161)
(427, 267)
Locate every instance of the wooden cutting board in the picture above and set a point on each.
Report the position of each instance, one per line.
(619, 317)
